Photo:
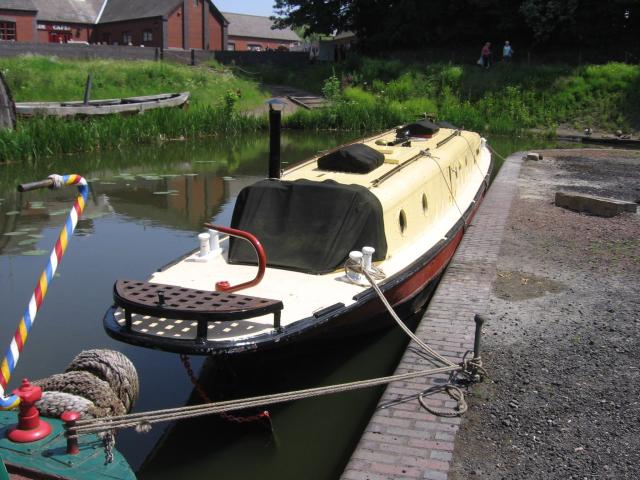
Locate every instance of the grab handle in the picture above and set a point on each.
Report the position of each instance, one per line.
(224, 286)
(46, 277)
(26, 187)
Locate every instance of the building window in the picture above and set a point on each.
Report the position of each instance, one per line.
(231, 46)
(254, 47)
(126, 38)
(7, 31)
(147, 36)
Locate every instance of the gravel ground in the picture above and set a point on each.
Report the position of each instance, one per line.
(562, 345)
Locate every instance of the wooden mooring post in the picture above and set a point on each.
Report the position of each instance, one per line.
(87, 89)
(7, 106)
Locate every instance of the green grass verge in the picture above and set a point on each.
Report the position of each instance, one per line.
(216, 98)
(38, 78)
(368, 94)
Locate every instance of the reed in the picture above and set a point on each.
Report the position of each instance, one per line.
(42, 137)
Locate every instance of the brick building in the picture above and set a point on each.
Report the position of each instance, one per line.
(251, 32)
(18, 20)
(63, 21)
(181, 24)
(162, 23)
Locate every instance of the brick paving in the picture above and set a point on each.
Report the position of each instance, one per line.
(403, 440)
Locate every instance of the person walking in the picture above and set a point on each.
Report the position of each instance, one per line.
(485, 54)
(507, 52)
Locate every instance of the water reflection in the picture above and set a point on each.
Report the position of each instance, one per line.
(176, 185)
(144, 209)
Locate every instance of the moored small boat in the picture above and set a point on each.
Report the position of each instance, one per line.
(395, 204)
(130, 105)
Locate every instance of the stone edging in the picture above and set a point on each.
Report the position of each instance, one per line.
(404, 441)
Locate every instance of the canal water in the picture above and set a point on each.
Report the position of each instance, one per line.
(145, 208)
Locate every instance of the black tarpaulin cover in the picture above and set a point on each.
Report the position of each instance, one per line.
(421, 127)
(356, 158)
(307, 226)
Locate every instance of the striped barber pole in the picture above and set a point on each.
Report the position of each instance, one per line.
(26, 322)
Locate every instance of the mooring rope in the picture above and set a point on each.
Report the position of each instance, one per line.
(453, 197)
(493, 150)
(426, 348)
(142, 420)
(26, 322)
(475, 159)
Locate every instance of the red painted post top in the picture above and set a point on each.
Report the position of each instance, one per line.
(69, 419)
(30, 427)
(69, 416)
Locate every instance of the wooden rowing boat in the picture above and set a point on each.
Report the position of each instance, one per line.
(615, 141)
(130, 105)
(396, 204)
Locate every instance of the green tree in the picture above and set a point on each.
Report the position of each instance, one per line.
(390, 24)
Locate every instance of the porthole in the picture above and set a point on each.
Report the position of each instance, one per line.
(402, 220)
(425, 204)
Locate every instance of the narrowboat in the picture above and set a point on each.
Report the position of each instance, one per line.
(288, 271)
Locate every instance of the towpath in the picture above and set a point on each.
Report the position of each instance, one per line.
(293, 99)
(561, 346)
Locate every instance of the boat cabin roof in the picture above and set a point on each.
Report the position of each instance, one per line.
(339, 201)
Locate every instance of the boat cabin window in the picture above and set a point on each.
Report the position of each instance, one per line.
(307, 226)
(356, 158)
(402, 221)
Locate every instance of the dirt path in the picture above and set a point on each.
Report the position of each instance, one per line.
(563, 345)
(282, 93)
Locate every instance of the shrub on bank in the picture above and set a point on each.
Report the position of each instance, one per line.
(507, 98)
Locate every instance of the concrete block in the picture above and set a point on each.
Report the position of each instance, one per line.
(533, 156)
(594, 205)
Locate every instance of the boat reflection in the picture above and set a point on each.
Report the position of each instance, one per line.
(319, 432)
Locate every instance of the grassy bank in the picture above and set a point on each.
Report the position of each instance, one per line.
(507, 98)
(367, 94)
(216, 98)
(37, 78)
